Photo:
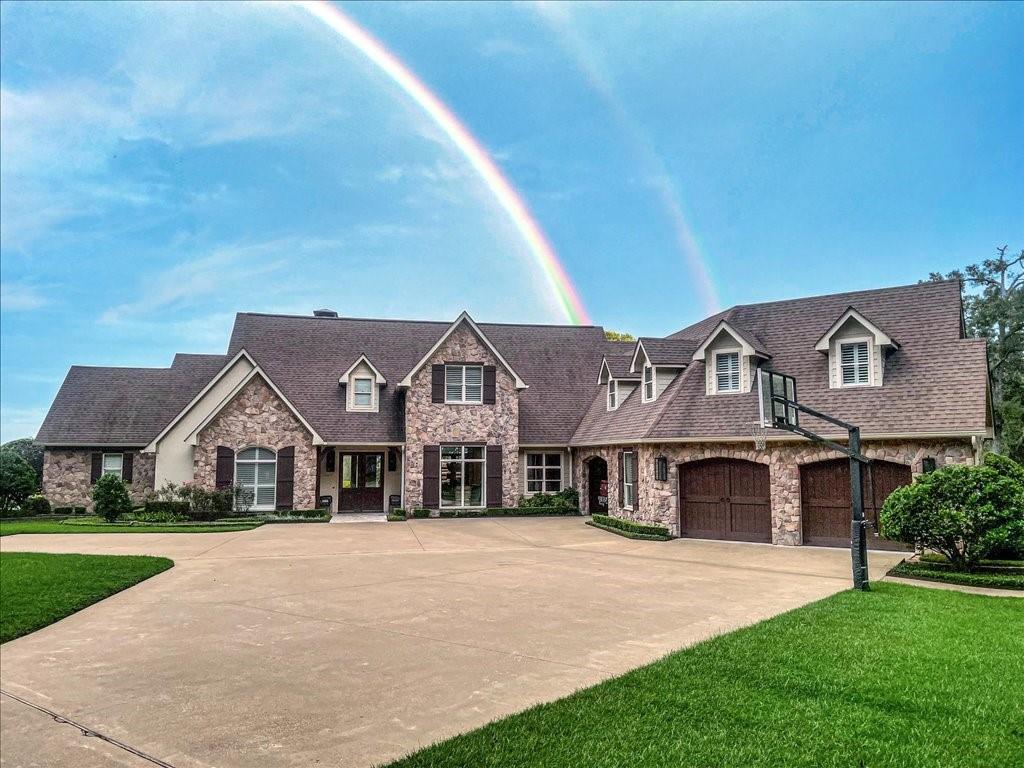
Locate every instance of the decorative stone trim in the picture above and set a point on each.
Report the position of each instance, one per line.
(67, 473)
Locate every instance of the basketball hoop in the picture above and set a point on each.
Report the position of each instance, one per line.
(759, 432)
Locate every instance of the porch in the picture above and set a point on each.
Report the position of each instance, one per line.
(359, 478)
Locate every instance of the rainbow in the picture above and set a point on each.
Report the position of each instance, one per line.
(563, 292)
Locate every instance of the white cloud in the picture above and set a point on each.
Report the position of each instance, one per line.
(21, 297)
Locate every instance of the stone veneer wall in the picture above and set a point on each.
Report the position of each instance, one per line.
(429, 423)
(67, 473)
(659, 501)
(258, 417)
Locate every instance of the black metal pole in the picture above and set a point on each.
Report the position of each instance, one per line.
(858, 529)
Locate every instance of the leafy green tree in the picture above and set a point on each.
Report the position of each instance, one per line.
(619, 336)
(17, 480)
(30, 451)
(110, 496)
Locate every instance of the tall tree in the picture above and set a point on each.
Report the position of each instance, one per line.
(619, 336)
(994, 310)
(30, 451)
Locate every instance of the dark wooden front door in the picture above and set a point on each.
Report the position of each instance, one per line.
(361, 482)
(597, 472)
(825, 501)
(725, 499)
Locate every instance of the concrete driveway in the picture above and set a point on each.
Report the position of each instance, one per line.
(350, 645)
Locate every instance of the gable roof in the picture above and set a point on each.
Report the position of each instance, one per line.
(749, 341)
(671, 353)
(881, 337)
(343, 379)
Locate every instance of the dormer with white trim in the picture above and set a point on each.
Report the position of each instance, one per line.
(730, 357)
(856, 349)
(656, 362)
(617, 387)
(362, 383)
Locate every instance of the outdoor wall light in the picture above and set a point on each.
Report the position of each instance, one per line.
(661, 469)
(928, 464)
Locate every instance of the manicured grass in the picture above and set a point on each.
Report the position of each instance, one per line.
(38, 589)
(50, 526)
(898, 676)
(993, 576)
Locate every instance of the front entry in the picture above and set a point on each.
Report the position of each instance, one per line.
(361, 482)
(597, 474)
(725, 499)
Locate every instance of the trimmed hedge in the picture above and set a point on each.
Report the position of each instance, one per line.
(421, 513)
(631, 527)
(166, 508)
(996, 578)
(69, 510)
(510, 512)
(628, 534)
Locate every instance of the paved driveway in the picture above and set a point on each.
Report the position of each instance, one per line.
(348, 645)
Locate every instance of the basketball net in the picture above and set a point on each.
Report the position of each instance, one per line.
(759, 432)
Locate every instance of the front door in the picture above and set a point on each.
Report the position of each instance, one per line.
(361, 482)
(597, 469)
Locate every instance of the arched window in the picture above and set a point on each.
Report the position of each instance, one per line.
(256, 475)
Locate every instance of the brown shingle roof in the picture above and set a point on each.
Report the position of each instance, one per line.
(669, 352)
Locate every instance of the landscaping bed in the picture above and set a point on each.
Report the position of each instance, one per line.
(39, 589)
(993, 576)
(422, 514)
(131, 526)
(629, 529)
(890, 677)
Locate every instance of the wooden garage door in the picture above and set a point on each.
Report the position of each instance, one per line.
(725, 499)
(825, 500)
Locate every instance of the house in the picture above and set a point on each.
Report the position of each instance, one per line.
(365, 413)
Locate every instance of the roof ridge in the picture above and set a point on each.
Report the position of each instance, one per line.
(918, 284)
(419, 321)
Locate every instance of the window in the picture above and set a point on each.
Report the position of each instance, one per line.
(463, 383)
(648, 383)
(462, 475)
(853, 359)
(543, 472)
(362, 393)
(628, 479)
(727, 371)
(113, 463)
(613, 394)
(256, 475)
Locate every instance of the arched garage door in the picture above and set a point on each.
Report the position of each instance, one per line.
(825, 500)
(725, 499)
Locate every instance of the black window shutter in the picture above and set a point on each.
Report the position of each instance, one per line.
(489, 384)
(437, 383)
(494, 474)
(431, 476)
(97, 468)
(622, 490)
(225, 467)
(127, 465)
(285, 477)
(330, 460)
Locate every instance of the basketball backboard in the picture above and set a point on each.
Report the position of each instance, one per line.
(777, 399)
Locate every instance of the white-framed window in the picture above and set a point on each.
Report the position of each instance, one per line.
(648, 383)
(854, 363)
(462, 475)
(727, 371)
(629, 479)
(113, 464)
(463, 384)
(613, 394)
(362, 392)
(543, 472)
(256, 475)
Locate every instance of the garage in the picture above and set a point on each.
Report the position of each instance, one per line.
(725, 499)
(825, 501)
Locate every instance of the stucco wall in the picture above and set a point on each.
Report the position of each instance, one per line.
(258, 417)
(67, 473)
(659, 501)
(429, 423)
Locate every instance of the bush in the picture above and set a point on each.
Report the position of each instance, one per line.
(421, 513)
(31, 452)
(630, 526)
(110, 498)
(565, 499)
(1005, 466)
(17, 481)
(69, 510)
(161, 512)
(193, 501)
(963, 512)
(36, 505)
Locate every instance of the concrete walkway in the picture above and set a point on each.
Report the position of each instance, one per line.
(349, 645)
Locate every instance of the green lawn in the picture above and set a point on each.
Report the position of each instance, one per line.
(53, 526)
(38, 589)
(899, 676)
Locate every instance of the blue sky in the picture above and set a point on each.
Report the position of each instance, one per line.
(163, 166)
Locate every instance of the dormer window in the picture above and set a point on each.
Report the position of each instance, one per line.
(855, 363)
(362, 393)
(613, 394)
(648, 383)
(464, 384)
(727, 371)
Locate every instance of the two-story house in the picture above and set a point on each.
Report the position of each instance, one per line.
(461, 414)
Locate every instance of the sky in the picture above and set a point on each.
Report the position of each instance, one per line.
(163, 166)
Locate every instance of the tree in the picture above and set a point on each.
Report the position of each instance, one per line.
(619, 336)
(17, 480)
(994, 310)
(30, 451)
(110, 496)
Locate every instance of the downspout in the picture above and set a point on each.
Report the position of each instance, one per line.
(403, 476)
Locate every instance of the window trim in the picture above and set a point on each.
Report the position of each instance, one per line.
(119, 471)
(613, 395)
(739, 370)
(631, 505)
(256, 483)
(464, 367)
(483, 475)
(653, 383)
(356, 405)
(852, 341)
(543, 467)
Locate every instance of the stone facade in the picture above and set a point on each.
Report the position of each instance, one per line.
(258, 417)
(658, 502)
(429, 423)
(67, 475)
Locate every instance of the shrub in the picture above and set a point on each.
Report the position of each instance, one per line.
(36, 504)
(630, 526)
(192, 501)
(421, 513)
(162, 512)
(564, 499)
(963, 512)
(69, 510)
(17, 481)
(110, 498)
(1005, 466)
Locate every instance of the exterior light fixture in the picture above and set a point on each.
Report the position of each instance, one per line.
(661, 469)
